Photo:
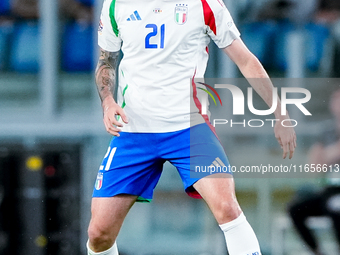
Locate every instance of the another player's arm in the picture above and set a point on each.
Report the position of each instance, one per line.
(251, 68)
(106, 81)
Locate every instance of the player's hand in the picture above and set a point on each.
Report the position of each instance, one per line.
(286, 137)
(110, 110)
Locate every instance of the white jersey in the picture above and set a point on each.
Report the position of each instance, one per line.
(164, 43)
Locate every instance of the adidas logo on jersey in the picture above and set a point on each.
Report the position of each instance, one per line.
(134, 16)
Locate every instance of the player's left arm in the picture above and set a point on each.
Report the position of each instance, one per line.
(253, 71)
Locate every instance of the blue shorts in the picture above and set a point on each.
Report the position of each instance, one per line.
(134, 161)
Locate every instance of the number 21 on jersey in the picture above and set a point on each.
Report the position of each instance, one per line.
(153, 33)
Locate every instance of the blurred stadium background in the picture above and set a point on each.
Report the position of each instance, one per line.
(52, 138)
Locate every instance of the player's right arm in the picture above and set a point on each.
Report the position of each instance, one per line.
(106, 81)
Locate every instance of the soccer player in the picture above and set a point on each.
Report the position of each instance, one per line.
(159, 112)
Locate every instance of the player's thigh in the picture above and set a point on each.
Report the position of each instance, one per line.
(218, 191)
(108, 214)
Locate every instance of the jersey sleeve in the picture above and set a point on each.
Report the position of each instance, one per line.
(108, 33)
(219, 23)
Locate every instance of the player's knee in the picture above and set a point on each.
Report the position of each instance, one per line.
(100, 237)
(227, 211)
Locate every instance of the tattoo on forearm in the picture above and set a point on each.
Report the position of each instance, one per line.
(106, 73)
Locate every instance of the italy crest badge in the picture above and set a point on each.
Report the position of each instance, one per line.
(99, 181)
(181, 13)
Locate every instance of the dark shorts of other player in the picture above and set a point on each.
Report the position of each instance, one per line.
(134, 161)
